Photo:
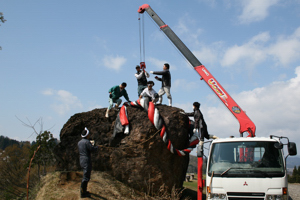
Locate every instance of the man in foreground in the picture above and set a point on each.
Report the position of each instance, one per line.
(85, 147)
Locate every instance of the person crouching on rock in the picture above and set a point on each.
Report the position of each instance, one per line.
(149, 93)
(115, 93)
(200, 127)
(85, 147)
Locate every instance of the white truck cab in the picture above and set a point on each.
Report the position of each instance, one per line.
(248, 168)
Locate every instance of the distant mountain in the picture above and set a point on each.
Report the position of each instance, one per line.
(293, 161)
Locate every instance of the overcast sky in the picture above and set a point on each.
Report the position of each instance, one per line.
(59, 58)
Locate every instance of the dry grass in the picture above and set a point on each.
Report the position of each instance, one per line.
(66, 185)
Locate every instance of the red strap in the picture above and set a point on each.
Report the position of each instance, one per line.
(123, 116)
(151, 112)
(195, 142)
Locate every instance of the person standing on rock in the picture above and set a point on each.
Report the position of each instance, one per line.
(141, 76)
(85, 147)
(115, 93)
(149, 93)
(165, 83)
(200, 127)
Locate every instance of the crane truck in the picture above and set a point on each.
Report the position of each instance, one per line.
(242, 167)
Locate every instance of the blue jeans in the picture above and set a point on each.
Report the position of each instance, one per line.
(112, 101)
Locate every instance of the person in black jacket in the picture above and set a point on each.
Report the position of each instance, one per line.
(85, 147)
(200, 127)
(165, 83)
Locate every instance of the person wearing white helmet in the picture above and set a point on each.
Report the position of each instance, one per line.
(85, 148)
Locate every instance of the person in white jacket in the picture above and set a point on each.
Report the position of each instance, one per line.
(149, 93)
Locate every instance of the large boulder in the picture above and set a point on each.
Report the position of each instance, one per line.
(140, 159)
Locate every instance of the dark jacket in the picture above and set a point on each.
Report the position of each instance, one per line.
(85, 148)
(199, 121)
(166, 77)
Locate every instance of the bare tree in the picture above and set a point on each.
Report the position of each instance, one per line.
(41, 153)
(33, 126)
(2, 18)
(45, 140)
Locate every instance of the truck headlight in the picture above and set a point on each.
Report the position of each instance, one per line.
(217, 196)
(275, 197)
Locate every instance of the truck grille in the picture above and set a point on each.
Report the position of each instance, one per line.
(245, 195)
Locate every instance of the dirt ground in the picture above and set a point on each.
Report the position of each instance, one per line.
(66, 186)
(294, 191)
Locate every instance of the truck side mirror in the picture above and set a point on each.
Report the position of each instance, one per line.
(292, 148)
(278, 145)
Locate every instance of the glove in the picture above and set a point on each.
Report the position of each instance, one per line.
(110, 95)
(151, 72)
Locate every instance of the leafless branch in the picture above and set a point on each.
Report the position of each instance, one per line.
(33, 126)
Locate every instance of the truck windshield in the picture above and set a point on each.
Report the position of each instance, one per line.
(246, 159)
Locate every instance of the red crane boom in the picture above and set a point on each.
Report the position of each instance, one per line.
(246, 125)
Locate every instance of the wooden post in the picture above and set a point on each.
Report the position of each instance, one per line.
(30, 168)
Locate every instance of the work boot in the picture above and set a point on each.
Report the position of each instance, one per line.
(200, 149)
(83, 192)
(213, 137)
(106, 114)
(159, 100)
(170, 102)
(199, 152)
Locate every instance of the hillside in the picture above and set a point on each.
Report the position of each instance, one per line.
(193, 165)
(65, 185)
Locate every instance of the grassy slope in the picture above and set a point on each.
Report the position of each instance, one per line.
(63, 186)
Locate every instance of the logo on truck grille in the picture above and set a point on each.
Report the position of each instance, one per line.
(245, 184)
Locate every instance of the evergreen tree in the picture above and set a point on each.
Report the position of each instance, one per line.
(44, 156)
(5, 142)
(294, 175)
